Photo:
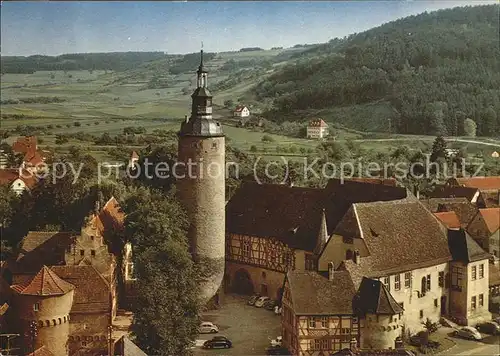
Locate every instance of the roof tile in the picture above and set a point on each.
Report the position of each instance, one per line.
(45, 283)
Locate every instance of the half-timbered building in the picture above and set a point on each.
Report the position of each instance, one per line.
(272, 229)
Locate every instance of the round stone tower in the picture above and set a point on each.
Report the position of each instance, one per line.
(201, 186)
(44, 302)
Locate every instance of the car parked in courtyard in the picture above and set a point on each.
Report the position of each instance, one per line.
(468, 332)
(270, 304)
(260, 302)
(489, 327)
(218, 342)
(207, 327)
(253, 299)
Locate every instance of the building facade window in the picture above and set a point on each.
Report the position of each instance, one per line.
(312, 323)
(82, 252)
(246, 249)
(481, 271)
(92, 253)
(481, 300)
(408, 280)
(456, 277)
(324, 322)
(324, 344)
(387, 282)
(436, 303)
(441, 279)
(36, 307)
(473, 303)
(397, 282)
(316, 344)
(310, 263)
(473, 273)
(428, 283)
(421, 313)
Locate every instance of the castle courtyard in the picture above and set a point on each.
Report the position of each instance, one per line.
(250, 329)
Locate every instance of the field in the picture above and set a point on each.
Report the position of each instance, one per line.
(107, 101)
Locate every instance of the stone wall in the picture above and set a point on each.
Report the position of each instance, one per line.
(380, 331)
(202, 193)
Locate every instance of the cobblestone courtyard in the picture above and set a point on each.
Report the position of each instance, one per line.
(249, 328)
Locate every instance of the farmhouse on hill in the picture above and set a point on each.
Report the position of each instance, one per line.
(317, 129)
(241, 111)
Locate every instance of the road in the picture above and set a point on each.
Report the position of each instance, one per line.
(427, 139)
(489, 346)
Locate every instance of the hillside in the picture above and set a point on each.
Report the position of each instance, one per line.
(422, 74)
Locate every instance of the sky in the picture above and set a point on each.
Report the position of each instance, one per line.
(53, 28)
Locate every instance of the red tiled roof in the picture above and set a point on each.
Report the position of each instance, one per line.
(491, 217)
(23, 144)
(9, 175)
(483, 183)
(92, 290)
(33, 157)
(318, 123)
(45, 283)
(449, 219)
(240, 108)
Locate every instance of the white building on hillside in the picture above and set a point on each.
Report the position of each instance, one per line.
(241, 111)
(317, 129)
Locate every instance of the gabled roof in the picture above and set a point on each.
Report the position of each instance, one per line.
(449, 219)
(126, 347)
(314, 294)
(447, 191)
(399, 235)
(463, 247)
(240, 108)
(293, 214)
(318, 123)
(374, 298)
(39, 248)
(92, 291)
(45, 283)
(491, 218)
(482, 183)
(464, 209)
(9, 175)
(24, 143)
(289, 214)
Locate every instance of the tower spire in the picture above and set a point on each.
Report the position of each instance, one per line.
(200, 68)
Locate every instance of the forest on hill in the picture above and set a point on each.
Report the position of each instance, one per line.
(116, 61)
(431, 70)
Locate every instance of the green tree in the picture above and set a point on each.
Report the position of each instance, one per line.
(253, 148)
(167, 320)
(438, 149)
(470, 127)
(229, 103)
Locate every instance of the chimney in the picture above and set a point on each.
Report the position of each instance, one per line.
(331, 271)
(356, 257)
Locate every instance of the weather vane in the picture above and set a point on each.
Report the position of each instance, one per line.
(201, 44)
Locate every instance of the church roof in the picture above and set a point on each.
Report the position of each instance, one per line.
(374, 298)
(201, 92)
(44, 283)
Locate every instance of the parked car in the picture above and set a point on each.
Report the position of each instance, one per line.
(468, 332)
(489, 327)
(208, 327)
(253, 299)
(270, 304)
(218, 342)
(260, 302)
(277, 342)
(497, 320)
(277, 350)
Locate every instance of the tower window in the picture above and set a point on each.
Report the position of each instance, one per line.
(82, 252)
(36, 307)
(214, 144)
(92, 238)
(92, 253)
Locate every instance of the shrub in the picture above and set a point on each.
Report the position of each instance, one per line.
(267, 138)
